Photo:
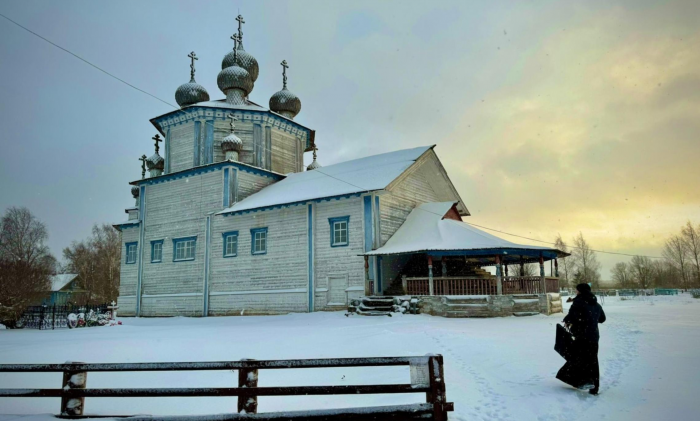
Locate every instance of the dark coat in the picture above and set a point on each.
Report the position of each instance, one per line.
(584, 315)
(582, 368)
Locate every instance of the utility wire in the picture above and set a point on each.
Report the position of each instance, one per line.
(316, 170)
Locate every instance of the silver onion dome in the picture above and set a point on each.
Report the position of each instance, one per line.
(235, 77)
(285, 102)
(231, 143)
(135, 191)
(314, 164)
(155, 162)
(191, 92)
(245, 60)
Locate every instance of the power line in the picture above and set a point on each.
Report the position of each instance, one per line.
(317, 170)
(86, 61)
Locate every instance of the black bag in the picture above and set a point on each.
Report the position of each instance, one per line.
(564, 343)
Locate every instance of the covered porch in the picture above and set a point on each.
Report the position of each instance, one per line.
(435, 253)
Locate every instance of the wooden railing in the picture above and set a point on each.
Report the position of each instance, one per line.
(521, 285)
(552, 284)
(427, 376)
(452, 285)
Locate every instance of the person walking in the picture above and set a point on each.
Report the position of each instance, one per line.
(581, 369)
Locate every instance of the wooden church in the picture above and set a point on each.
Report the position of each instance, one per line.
(229, 222)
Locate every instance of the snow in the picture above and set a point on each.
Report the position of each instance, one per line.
(425, 229)
(495, 369)
(360, 175)
(59, 281)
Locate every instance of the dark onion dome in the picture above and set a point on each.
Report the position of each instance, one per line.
(155, 162)
(135, 191)
(285, 102)
(245, 60)
(235, 78)
(231, 143)
(191, 92)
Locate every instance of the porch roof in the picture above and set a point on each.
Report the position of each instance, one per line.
(427, 230)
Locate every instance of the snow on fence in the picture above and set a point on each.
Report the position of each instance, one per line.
(427, 376)
(55, 317)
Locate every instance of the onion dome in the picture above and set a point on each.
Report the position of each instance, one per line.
(314, 164)
(285, 102)
(135, 191)
(231, 143)
(155, 162)
(235, 81)
(191, 92)
(245, 60)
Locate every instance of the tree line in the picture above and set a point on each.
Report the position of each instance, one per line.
(27, 265)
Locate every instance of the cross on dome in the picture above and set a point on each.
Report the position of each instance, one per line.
(233, 120)
(143, 166)
(157, 139)
(285, 66)
(193, 57)
(240, 20)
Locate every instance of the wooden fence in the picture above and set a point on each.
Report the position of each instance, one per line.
(427, 376)
(479, 286)
(521, 285)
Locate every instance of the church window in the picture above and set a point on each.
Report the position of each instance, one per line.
(156, 251)
(131, 252)
(339, 231)
(184, 248)
(258, 237)
(230, 244)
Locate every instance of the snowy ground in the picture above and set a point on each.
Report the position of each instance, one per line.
(496, 369)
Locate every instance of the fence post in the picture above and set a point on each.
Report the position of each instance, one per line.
(247, 377)
(53, 317)
(73, 379)
(437, 396)
(431, 289)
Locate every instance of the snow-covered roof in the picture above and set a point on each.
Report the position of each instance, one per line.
(359, 175)
(59, 281)
(426, 230)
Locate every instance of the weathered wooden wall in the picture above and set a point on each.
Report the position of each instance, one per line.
(128, 275)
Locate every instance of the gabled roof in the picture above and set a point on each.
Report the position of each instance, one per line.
(357, 176)
(426, 229)
(60, 281)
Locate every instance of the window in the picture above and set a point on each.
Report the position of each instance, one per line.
(156, 251)
(131, 252)
(339, 231)
(230, 243)
(258, 239)
(183, 248)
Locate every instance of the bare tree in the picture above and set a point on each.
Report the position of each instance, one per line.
(676, 253)
(96, 260)
(585, 262)
(621, 275)
(566, 270)
(642, 271)
(26, 265)
(691, 237)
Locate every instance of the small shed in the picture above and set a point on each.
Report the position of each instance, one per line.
(66, 288)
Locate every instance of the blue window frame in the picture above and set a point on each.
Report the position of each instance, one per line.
(131, 252)
(230, 243)
(340, 231)
(156, 251)
(184, 248)
(258, 241)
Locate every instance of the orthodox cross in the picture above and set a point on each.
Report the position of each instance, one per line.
(193, 57)
(143, 166)
(236, 39)
(240, 28)
(233, 119)
(315, 149)
(285, 66)
(157, 139)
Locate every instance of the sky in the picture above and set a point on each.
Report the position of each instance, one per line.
(550, 117)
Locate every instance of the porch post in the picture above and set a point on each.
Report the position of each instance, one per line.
(367, 289)
(556, 268)
(522, 267)
(444, 266)
(499, 280)
(506, 266)
(430, 274)
(543, 284)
